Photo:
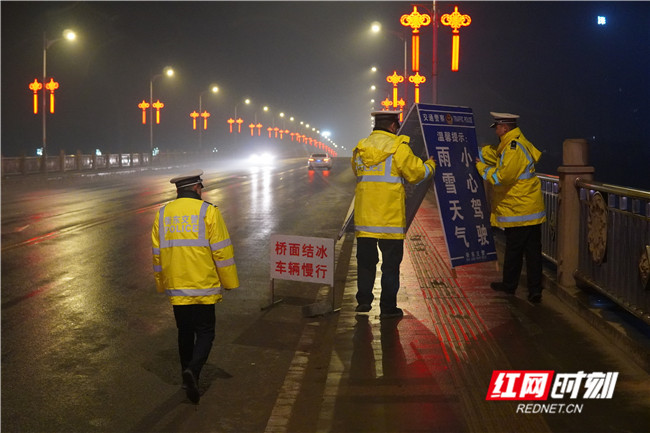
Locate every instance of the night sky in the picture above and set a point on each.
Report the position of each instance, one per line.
(549, 62)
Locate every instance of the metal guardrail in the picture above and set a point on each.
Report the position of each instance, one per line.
(614, 250)
(550, 192)
(78, 162)
(614, 240)
(12, 166)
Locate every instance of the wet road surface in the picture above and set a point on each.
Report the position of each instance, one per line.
(87, 344)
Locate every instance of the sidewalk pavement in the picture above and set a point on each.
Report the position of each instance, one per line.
(430, 371)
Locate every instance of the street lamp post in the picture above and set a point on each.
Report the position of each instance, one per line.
(415, 20)
(434, 72)
(47, 43)
(434, 55)
(169, 72)
(246, 101)
(213, 89)
(376, 28)
(263, 108)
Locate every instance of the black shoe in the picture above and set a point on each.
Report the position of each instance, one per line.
(395, 312)
(500, 287)
(363, 308)
(192, 390)
(535, 298)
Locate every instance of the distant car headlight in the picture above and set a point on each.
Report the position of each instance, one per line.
(263, 158)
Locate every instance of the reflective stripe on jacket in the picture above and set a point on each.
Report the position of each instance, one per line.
(510, 168)
(382, 163)
(193, 256)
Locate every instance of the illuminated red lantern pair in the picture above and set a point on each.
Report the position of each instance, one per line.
(36, 86)
(194, 115)
(144, 105)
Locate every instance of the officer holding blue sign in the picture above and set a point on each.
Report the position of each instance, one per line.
(383, 162)
(517, 203)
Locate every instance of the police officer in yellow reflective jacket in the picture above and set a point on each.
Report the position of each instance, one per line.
(193, 260)
(517, 203)
(382, 163)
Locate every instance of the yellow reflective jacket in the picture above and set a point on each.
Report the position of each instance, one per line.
(193, 258)
(382, 162)
(510, 168)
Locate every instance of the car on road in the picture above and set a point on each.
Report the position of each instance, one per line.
(319, 160)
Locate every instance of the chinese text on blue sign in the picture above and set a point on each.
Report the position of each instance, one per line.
(450, 137)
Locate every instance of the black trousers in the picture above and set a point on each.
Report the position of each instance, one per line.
(392, 252)
(195, 325)
(525, 241)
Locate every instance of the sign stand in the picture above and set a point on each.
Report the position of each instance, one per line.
(348, 224)
(321, 308)
(274, 302)
(306, 259)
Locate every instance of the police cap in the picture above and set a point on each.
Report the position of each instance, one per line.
(386, 115)
(188, 179)
(503, 118)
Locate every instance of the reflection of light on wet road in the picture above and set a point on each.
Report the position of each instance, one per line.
(313, 174)
(260, 190)
(31, 294)
(76, 227)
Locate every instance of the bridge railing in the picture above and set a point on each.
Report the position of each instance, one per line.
(81, 162)
(614, 252)
(613, 247)
(597, 234)
(77, 162)
(550, 192)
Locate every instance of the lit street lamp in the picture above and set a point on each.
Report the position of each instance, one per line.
(168, 71)
(246, 101)
(237, 120)
(375, 27)
(214, 89)
(47, 43)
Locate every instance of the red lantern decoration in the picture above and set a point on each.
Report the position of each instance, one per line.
(35, 87)
(52, 86)
(158, 106)
(205, 116)
(194, 115)
(143, 106)
(387, 104)
(455, 20)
